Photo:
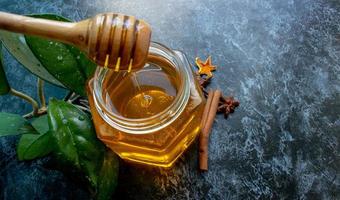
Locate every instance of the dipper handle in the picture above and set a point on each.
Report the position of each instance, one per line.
(111, 40)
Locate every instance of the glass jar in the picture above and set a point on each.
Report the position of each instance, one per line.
(151, 115)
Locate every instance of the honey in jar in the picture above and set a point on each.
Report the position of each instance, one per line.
(151, 115)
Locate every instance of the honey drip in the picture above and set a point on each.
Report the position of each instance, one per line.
(143, 93)
(145, 100)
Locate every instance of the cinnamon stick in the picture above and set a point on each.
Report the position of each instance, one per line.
(209, 114)
(206, 108)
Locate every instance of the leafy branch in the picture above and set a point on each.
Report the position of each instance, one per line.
(62, 128)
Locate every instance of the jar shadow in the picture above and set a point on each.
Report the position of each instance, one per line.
(151, 182)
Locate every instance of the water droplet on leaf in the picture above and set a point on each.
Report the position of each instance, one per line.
(81, 118)
(22, 39)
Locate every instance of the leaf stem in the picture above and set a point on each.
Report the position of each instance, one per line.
(27, 98)
(30, 115)
(41, 93)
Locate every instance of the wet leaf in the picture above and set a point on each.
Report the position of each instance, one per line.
(86, 66)
(15, 43)
(66, 63)
(75, 139)
(11, 124)
(108, 176)
(32, 146)
(4, 86)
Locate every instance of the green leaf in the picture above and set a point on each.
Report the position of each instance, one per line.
(36, 140)
(75, 139)
(11, 124)
(108, 176)
(4, 86)
(27, 129)
(15, 43)
(36, 126)
(66, 63)
(86, 66)
(40, 124)
(32, 146)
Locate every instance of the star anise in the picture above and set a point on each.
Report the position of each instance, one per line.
(227, 105)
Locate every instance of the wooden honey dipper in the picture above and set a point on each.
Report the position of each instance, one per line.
(111, 40)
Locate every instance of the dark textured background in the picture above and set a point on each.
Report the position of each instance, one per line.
(280, 58)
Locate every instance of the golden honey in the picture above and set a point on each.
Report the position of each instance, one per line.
(151, 115)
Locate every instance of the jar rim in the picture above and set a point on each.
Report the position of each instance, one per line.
(154, 122)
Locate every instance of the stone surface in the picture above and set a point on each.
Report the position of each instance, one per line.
(281, 59)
